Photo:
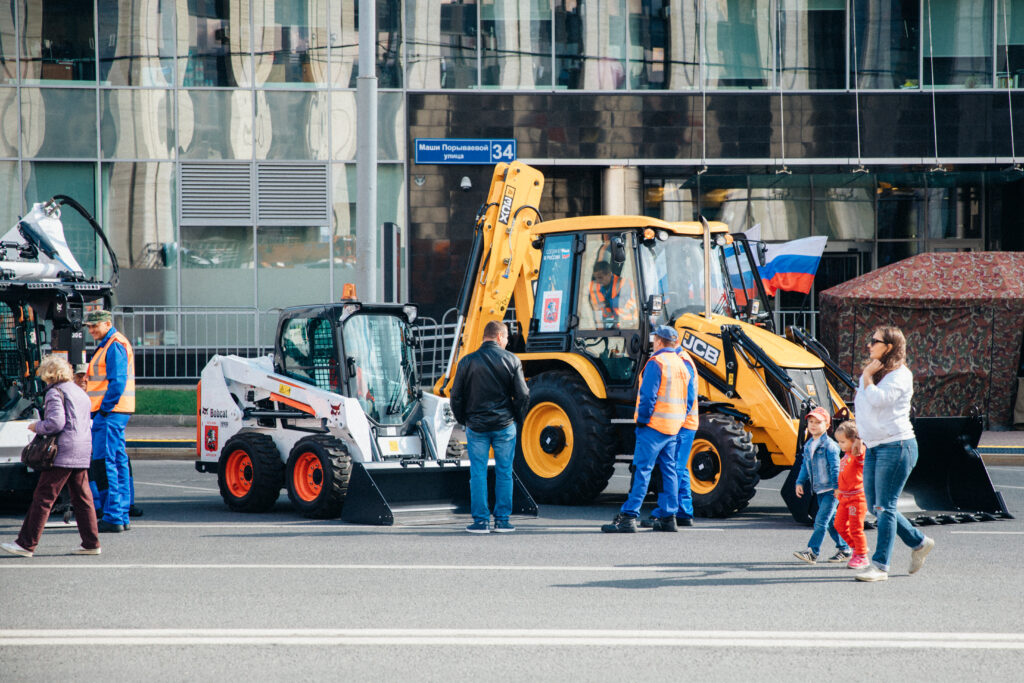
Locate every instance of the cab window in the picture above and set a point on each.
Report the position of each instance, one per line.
(307, 350)
(608, 298)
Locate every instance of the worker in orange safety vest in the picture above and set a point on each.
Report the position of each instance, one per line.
(613, 298)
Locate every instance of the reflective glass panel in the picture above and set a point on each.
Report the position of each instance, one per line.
(844, 206)
(137, 42)
(78, 181)
(516, 47)
(441, 44)
(8, 133)
(58, 123)
(957, 43)
(954, 206)
(738, 43)
(8, 48)
(782, 205)
(724, 198)
(136, 124)
(663, 49)
(812, 44)
(1010, 43)
(291, 42)
(891, 252)
(217, 35)
(343, 125)
(901, 206)
(391, 126)
(344, 39)
(590, 44)
(10, 210)
(389, 43)
(381, 366)
(294, 265)
(57, 42)
(217, 266)
(291, 125)
(885, 43)
(215, 124)
(343, 216)
(139, 216)
(670, 199)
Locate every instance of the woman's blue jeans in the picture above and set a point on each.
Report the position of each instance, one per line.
(823, 522)
(886, 469)
(479, 445)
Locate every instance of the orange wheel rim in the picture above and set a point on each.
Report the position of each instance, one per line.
(238, 473)
(308, 477)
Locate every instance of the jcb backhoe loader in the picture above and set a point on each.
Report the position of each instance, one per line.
(587, 293)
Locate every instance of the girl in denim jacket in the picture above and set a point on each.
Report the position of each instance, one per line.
(820, 468)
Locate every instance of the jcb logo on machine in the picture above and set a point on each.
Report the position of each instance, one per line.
(284, 390)
(700, 348)
(506, 205)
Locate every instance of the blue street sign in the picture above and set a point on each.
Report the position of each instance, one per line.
(464, 151)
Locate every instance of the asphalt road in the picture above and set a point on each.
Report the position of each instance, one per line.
(195, 592)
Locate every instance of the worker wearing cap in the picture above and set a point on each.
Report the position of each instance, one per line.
(111, 388)
(660, 413)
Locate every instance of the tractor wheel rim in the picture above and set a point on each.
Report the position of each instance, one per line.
(308, 477)
(238, 473)
(705, 467)
(547, 440)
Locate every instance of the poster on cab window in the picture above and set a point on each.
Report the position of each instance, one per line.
(551, 307)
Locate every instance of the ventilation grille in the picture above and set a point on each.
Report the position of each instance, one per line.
(216, 194)
(292, 194)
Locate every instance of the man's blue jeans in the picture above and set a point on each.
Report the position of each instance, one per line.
(886, 470)
(479, 445)
(827, 504)
(684, 444)
(653, 448)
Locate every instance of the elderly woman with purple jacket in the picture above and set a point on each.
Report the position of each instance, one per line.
(66, 413)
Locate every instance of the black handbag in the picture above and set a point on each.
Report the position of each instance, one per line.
(41, 451)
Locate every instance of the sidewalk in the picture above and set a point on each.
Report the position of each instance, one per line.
(170, 437)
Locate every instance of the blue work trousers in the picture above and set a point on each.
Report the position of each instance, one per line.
(653, 448)
(684, 443)
(886, 470)
(110, 476)
(479, 445)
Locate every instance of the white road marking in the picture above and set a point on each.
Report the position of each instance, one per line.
(631, 569)
(1004, 486)
(521, 637)
(994, 533)
(177, 486)
(445, 525)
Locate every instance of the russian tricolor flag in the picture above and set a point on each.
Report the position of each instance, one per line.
(790, 266)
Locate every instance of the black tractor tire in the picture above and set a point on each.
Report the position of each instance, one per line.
(317, 476)
(723, 467)
(250, 472)
(565, 453)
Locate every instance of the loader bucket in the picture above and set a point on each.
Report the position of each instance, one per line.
(386, 493)
(950, 476)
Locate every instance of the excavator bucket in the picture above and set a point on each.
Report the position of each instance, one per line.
(388, 493)
(950, 480)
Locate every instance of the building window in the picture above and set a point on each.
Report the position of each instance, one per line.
(136, 42)
(957, 43)
(590, 44)
(738, 46)
(57, 40)
(885, 43)
(516, 46)
(1010, 43)
(811, 44)
(442, 44)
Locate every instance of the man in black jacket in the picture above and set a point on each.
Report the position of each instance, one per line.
(489, 396)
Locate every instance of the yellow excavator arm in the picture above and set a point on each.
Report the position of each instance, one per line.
(503, 261)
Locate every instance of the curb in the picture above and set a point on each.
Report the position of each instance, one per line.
(163, 421)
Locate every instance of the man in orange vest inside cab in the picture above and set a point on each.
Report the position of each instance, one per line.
(110, 383)
(660, 413)
(613, 298)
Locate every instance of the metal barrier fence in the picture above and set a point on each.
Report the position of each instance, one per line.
(173, 343)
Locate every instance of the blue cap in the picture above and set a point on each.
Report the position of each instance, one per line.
(667, 333)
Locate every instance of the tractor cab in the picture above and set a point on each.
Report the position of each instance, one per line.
(604, 283)
(363, 351)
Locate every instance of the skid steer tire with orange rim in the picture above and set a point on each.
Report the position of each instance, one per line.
(723, 467)
(565, 453)
(317, 476)
(250, 472)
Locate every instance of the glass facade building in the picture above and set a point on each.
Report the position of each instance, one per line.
(216, 141)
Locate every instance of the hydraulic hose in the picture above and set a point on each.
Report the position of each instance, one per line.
(64, 199)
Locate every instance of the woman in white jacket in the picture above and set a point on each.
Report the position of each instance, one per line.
(882, 406)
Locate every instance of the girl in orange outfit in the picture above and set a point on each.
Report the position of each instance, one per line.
(853, 506)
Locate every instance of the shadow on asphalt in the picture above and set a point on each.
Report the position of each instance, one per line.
(721, 574)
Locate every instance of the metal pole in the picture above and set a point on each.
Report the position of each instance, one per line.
(366, 154)
(707, 267)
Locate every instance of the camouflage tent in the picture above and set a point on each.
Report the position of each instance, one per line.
(963, 315)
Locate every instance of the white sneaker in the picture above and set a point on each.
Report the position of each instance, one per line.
(872, 573)
(15, 549)
(918, 555)
(82, 550)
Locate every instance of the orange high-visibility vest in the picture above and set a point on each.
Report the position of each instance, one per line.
(97, 380)
(670, 406)
(692, 420)
(624, 312)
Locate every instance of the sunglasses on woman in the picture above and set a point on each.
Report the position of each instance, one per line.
(875, 341)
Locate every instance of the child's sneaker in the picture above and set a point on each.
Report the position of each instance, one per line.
(808, 556)
(858, 562)
(840, 556)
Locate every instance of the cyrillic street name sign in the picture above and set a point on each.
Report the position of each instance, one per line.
(464, 151)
